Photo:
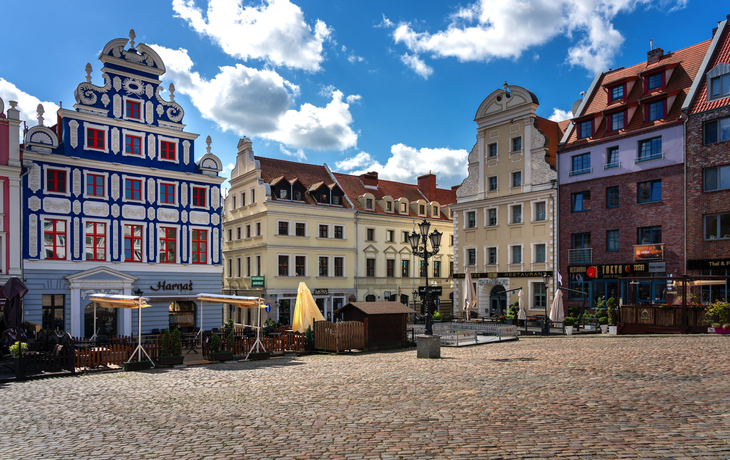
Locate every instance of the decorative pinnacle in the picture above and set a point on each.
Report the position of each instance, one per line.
(132, 36)
(208, 141)
(171, 88)
(88, 72)
(40, 111)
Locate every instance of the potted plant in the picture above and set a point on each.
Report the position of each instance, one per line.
(612, 316)
(603, 322)
(215, 353)
(436, 316)
(309, 339)
(719, 310)
(16, 350)
(569, 322)
(714, 327)
(171, 348)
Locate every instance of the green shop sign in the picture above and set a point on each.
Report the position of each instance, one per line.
(257, 281)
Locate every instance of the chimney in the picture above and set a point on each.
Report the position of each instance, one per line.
(427, 186)
(654, 56)
(370, 178)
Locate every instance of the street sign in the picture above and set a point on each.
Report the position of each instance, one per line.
(438, 302)
(268, 308)
(257, 281)
(432, 290)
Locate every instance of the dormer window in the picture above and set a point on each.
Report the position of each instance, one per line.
(655, 111)
(585, 129)
(283, 193)
(616, 93)
(654, 81)
(337, 200)
(435, 211)
(421, 210)
(323, 198)
(403, 207)
(369, 203)
(298, 196)
(617, 121)
(720, 86)
(388, 206)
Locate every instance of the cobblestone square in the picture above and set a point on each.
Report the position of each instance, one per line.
(596, 397)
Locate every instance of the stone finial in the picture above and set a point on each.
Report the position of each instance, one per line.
(208, 141)
(244, 143)
(132, 36)
(40, 111)
(171, 88)
(88, 72)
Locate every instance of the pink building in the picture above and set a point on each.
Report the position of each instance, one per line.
(10, 170)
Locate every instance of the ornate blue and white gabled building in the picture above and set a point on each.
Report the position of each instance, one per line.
(115, 200)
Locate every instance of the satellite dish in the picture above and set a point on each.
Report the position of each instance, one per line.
(575, 107)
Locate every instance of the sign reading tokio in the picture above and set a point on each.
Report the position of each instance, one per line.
(606, 270)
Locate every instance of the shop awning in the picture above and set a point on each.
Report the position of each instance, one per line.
(706, 283)
(119, 301)
(172, 298)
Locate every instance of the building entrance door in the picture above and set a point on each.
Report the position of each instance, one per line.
(322, 305)
(106, 320)
(498, 300)
(285, 311)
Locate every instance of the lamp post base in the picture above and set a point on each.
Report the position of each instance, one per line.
(428, 346)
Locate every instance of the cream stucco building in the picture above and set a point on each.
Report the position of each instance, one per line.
(505, 216)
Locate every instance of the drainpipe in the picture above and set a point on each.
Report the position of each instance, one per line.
(357, 255)
(22, 233)
(684, 158)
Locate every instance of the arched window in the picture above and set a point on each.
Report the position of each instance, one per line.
(370, 298)
(498, 300)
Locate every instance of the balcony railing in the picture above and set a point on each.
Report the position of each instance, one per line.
(580, 256)
(656, 156)
(612, 165)
(577, 172)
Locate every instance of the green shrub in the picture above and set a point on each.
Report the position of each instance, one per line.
(612, 312)
(573, 311)
(229, 324)
(719, 309)
(230, 341)
(603, 320)
(309, 336)
(165, 345)
(18, 348)
(513, 311)
(215, 343)
(176, 343)
(569, 321)
(436, 316)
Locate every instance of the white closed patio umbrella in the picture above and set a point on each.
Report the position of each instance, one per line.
(521, 314)
(471, 296)
(556, 311)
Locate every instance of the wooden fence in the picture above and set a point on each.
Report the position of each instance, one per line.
(338, 337)
(112, 354)
(639, 319)
(242, 345)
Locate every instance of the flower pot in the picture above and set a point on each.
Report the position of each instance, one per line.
(613, 330)
(221, 356)
(604, 328)
(171, 360)
(569, 330)
(137, 365)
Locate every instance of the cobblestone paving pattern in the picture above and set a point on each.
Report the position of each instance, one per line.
(593, 397)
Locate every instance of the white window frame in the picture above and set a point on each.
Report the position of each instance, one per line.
(344, 266)
(511, 254)
(248, 267)
(437, 209)
(177, 243)
(143, 189)
(466, 256)
(290, 270)
(82, 243)
(69, 232)
(239, 270)
(329, 266)
(533, 206)
(486, 153)
(534, 252)
(239, 235)
(512, 143)
(293, 265)
(511, 214)
(105, 197)
(392, 240)
(486, 216)
(145, 241)
(466, 219)
(207, 196)
(392, 207)
(177, 192)
(160, 139)
(141, 109)
(259, 265)
(344, 235)
(259, 229)
(288, 227)
(143, 136)
(208, 248)
(496, 256)
(69, 180)
(329, 231)
(252, 196)
(248, 232)
(88, 126)
(512, 179)
(496, 177)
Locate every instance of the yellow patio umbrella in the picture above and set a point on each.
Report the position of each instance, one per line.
(306, 311)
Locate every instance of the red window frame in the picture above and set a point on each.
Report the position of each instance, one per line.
(57, 237)
(609, 121)
(660, 88)
(168, 242)
(95, 241)
(133, 189)
(664, 109)
(200, 246)
(133, 145)
(95, 185)
(132, 110)
(95, 138)
(167, 193)
(592, 128)
(199, 196)
(610, 93)
(133, 241)
(56, 180)
(167, 150)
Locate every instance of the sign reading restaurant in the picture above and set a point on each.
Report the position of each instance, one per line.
(536, 274)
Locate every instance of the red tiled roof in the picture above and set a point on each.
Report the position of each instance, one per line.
(554, 133)
(688, 61)
(722, 55)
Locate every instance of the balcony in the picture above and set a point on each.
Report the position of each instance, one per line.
(580, 171)
(656, 156)
(580, 256)
(612, 165)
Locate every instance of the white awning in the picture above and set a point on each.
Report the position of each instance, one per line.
(239, 301)
(119, 301)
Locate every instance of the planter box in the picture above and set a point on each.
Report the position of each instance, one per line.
(613, 330)
(19, 368)
(569, 330)
(220, 356)
(257, 356)
(171, 360)
(137, 365)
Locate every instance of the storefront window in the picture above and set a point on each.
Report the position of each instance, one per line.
(53, 308)
(182, 315)
(285, 311)
(106, 320)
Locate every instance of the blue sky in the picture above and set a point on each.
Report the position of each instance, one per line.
(377, 85)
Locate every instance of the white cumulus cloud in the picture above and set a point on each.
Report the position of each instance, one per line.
(254, 102)
(274, 31)
(492, 29)
(27, 104)
(299, 154)
(417, 65)
(560, 115)
(407, 163)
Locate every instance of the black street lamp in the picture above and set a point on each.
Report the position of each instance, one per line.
(546, 323)
(419, 246)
